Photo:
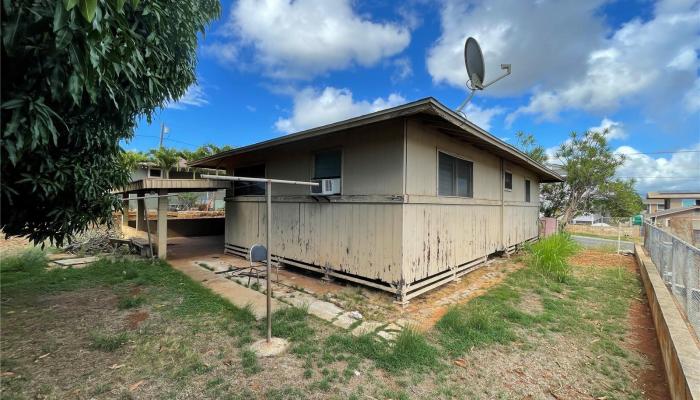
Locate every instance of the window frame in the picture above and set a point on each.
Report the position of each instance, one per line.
(507, 171)
(437, 175)
(312, 175)
(160, 172)
(528, 189)
(264, 165)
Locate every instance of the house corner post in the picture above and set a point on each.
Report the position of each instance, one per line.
(125, 211)
(163, 224)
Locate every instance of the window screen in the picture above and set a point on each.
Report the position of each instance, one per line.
(508, 181)
(241, 188)
(527, 190)
(327, 164)
(455, 176)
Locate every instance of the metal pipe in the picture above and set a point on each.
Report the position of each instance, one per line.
(149, 197)
(264, 180)
(269, 260)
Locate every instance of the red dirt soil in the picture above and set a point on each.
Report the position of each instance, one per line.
(134, 319)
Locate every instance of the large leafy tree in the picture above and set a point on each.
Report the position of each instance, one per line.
(619, 199)
(76, 74)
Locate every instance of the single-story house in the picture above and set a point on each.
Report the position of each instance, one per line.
(411, 197)
(587, 219)
(683, 222)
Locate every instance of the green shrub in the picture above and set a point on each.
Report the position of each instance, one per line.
(549, 256)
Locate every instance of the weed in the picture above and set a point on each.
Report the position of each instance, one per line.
(108, 342)
(290, 323)
(549, 256)
(287, 393)
(249, 361)
(474, 324)
(410, 351)
(126, 303)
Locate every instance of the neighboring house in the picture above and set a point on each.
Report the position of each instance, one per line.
(587, 219)
(683, 222)
(150, 170)
(659, 201)
(416, 195)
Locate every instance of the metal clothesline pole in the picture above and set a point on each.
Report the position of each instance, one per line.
(268, 196)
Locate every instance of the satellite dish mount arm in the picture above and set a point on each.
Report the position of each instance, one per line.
(473, 84)
(505, 67)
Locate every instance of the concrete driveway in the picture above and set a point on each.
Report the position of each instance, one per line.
(592, 243)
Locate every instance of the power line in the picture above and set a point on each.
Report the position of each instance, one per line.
(663, 152)
(659, 177)
(169, 139)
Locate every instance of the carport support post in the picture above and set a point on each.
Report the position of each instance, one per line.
(141, 214)
(163, 224)
(125, 211)
(268, 192)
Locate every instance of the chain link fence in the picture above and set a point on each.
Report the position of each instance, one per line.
(678, 263)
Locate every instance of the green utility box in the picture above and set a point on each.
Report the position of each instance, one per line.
(637, 220)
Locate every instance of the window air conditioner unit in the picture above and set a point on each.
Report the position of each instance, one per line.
(326, 187)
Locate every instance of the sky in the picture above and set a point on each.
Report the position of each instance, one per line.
(270, 68)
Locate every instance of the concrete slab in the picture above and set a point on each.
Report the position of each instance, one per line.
(71, 262)
(344, 321)
(237, 294)
(324, 310)
(390, 336)
(275, 347)
(366, 327)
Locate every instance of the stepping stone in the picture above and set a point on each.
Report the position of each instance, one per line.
(324, 310)
(390, 336)
(366, 327)
(344, 321)
(74, 262)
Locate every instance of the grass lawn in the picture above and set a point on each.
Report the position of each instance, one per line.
(135, 329)
(633, 239)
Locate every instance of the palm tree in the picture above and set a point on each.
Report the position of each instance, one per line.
(166, 158)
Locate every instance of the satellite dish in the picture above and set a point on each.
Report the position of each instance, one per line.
(474, 61)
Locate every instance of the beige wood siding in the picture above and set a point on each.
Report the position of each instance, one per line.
(356, 238)
(437, 237)
(442, 232)
(372, 159)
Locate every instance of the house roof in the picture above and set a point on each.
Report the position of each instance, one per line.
(673, 195)
(674, 211)
(455, 124)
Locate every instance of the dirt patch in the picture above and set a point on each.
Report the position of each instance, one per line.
(531, 302)
(134, 319)
(642, 338)
(424, 311)
(12, 245)
(602, 259)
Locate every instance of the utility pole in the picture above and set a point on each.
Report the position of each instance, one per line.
(163, 131)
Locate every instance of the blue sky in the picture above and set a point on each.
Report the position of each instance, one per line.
(268, 68)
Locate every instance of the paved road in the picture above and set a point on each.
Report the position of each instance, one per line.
(592, 242)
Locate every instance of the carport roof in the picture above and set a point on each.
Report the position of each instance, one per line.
(440, 116)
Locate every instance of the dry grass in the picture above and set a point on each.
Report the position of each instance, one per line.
(139, 330)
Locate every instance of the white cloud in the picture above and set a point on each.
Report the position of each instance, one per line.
(314, 108)
(481, 116)
(680, 171)
(644, 62)
(545, 41)
(193, 97)
(691, 100)
(615, 129)
(304, 38)
(402, 69)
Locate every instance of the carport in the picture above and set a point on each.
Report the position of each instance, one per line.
(161, 189)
